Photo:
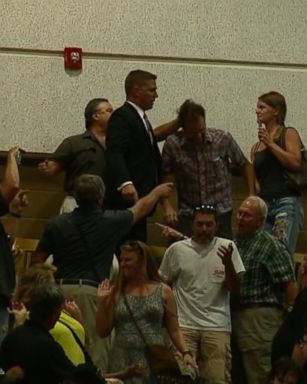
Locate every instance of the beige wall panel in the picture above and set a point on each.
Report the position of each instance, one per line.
(259, 30)
(40, 104)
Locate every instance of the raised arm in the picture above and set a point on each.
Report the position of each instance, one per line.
(10, 183)
(169, 213)
(231, 277)
(105, 309)
(162, 131)
(145, 205)
(290, 156)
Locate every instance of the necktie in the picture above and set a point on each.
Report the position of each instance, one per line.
(148, 128)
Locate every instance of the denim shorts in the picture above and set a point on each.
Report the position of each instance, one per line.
(285, 219)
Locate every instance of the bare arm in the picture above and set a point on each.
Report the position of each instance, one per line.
(290, 157)
(105, 309)
(291, 291)
(165, 130)
(169, 213)
(144, 205)
(172, 325)
(255, 185)
(248, 174)
(10, 183)
(49, 167)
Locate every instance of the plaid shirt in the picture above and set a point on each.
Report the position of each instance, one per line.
(202, 170)
(267, 263)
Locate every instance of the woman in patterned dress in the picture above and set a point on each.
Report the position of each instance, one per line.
(151, 302)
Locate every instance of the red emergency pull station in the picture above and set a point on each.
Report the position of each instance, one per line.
(72, 58)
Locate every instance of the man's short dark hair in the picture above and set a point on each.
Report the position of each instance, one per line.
(137, 78)
(205, 208)
(44, 301)
(88, 189)
(190, 110)
(91, 108)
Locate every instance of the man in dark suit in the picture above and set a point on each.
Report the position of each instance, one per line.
(133, 156)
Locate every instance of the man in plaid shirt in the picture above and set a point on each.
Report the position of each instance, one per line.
(201, 160)
(267, 286)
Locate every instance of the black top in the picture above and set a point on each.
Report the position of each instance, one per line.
(270, 175)
(78, 155)
(32, 348)
(293, 328)
(102, 231)
(7, 268)
(130, 155)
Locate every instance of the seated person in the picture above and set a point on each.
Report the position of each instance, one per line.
(286, 371)
(31, 347)
(68, 330)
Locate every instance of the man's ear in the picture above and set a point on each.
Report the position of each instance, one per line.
(95, 116)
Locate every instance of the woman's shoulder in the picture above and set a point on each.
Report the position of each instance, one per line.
(166, 290)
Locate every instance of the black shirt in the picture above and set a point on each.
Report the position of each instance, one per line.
(31, 347)
(270, 175)
(293, 328)
(78, 155)
(83, 242)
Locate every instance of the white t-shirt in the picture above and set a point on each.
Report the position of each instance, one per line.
(197, 275)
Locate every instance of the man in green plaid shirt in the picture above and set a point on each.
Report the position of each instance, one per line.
(266, 288)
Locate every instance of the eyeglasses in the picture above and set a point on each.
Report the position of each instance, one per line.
(205, 208)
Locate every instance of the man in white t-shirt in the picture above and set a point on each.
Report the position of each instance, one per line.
(203, 270)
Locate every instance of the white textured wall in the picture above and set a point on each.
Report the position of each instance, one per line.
(223, 53)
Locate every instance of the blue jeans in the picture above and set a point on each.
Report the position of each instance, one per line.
(285, 219)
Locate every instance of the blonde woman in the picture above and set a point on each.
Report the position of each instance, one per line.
(153, 306)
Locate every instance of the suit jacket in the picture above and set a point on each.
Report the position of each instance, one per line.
(130, 155)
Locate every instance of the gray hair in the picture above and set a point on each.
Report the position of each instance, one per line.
(261, 204)
(88, 189)
(44, 301)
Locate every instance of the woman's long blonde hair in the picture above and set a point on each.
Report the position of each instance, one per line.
(149, 267)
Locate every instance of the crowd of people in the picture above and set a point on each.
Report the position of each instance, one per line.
(227, 307)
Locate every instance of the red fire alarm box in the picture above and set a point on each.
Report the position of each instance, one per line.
(72, 58)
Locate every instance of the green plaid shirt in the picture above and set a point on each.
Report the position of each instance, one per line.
(267, 264)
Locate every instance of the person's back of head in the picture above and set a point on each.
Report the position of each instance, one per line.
(46, 304)
(89, 190)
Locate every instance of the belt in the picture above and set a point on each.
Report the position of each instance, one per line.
(80, 282)
(258, 305)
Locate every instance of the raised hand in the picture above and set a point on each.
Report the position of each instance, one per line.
(104, 290)
(225, 253)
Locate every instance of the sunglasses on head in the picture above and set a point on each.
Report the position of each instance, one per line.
(205, 208)
(132, 245)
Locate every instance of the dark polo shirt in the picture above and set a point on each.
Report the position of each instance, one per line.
(78, 155)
